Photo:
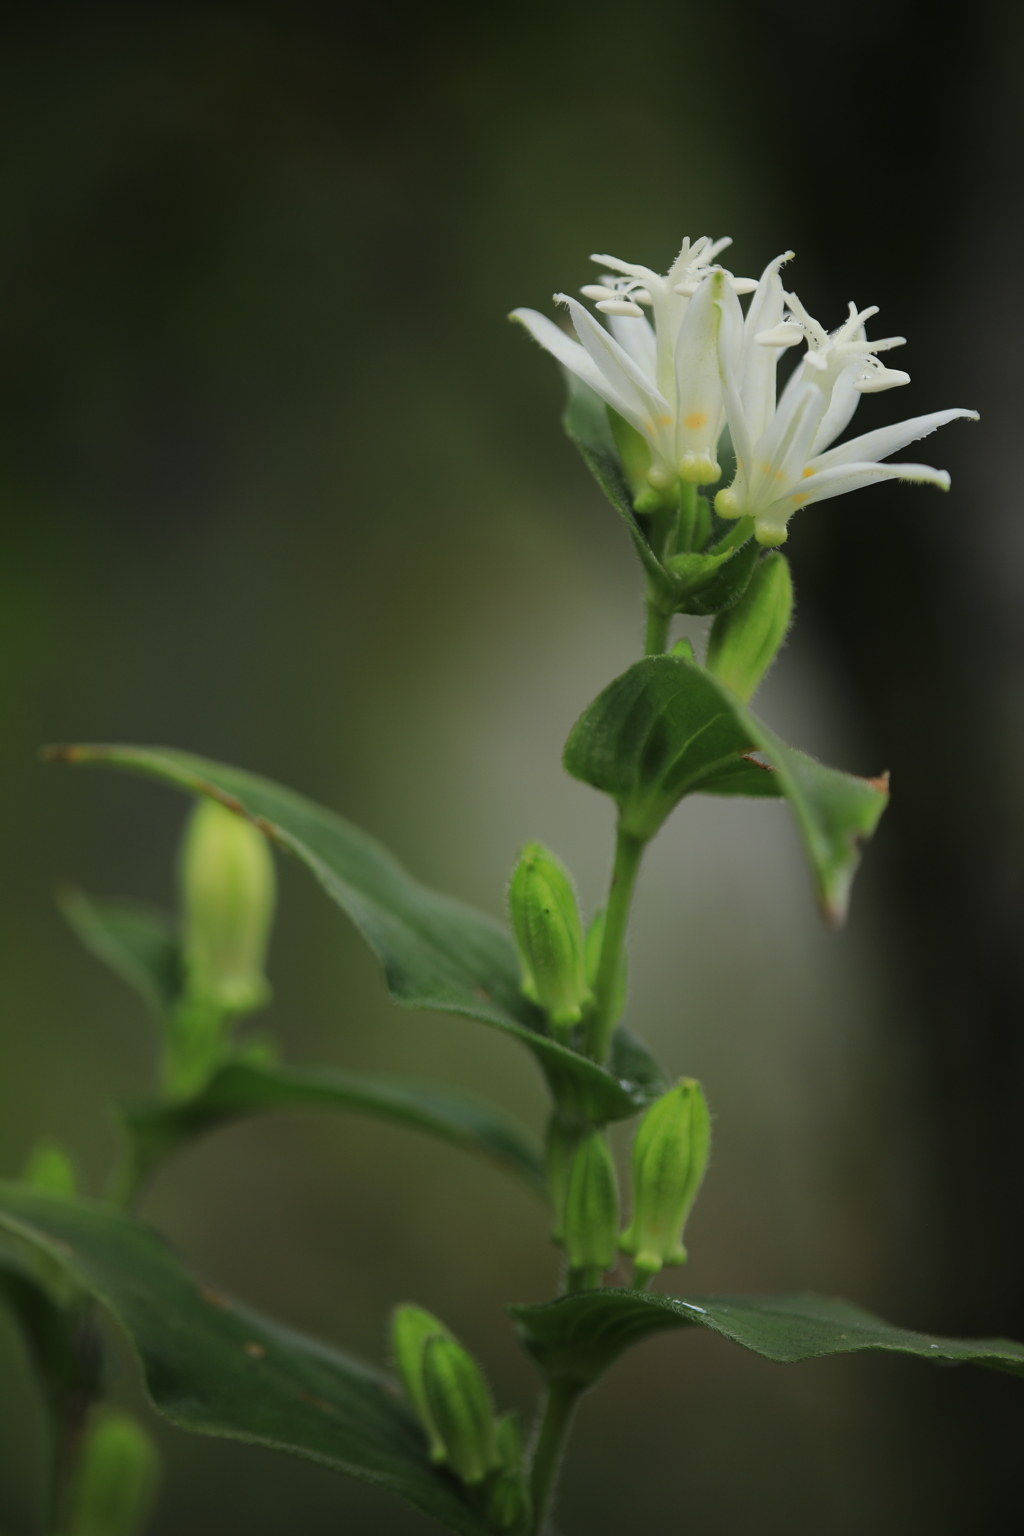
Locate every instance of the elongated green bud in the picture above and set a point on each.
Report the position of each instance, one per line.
(228, 889)
(670, 1155)
(744, 639)
(594, 940)
(592, 1208)
(549, 934)
(115, 1480)
(461, 1408)
(411, 1327)
(50, 1168)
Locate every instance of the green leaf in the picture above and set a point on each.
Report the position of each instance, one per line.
(667, 728)
(138, 942)
(712, 583)
(213, 1366)
(587, 427)
(242, 1088)
(575, 1339)
(436, 952)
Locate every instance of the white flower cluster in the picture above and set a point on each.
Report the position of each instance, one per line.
(702, 364)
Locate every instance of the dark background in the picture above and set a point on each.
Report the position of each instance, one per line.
(279, 484)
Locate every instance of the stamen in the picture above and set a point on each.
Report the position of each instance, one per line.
(597, 291)
(786, 334)
(620, 305)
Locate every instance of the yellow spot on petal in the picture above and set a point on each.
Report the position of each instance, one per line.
(649, 427)
(764, 466)
(696, 420)
(664, 421)
(800, 499)
(808, 471)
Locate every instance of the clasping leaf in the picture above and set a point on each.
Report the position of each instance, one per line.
(667, 728)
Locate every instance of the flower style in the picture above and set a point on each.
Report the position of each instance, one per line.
(780, 447)
(663, 379)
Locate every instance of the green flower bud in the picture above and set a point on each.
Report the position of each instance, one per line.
(670, 1155)
(745, 638)
(228, 889)
(592, 958)
(549, 933)
(115, 1480)
(50, 1168)
(411, 1327)
(460, 1406)
(592, 1208)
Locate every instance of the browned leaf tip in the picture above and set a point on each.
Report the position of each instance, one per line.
(60, 754)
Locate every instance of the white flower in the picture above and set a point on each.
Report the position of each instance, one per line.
(780, 447)
(663, 379)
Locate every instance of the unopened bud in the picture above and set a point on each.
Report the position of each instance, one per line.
(115, 1479)
(49, 1168)
(411, 1327)
(670, 1155)
(228, 889)
(460, 1406)
(744, 639)
(592, 1208)
(549, 935)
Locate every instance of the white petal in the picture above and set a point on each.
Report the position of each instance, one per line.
(879, 444)
(622, 373)
(851, 477)
(844, 401)
(743, 284)
(698, 384)
(629, 268)
(574, 357)
(781, 454)
(730, 360)
(637, 338)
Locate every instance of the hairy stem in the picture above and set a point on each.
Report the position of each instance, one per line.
(659, 620)
(549, 1448)
(628, 853)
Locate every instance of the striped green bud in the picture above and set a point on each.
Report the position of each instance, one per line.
(744, 639)
(228, 891)
(115, 1478)
(411, 1327)
(460, 1406)
(549, 936)
(592, 1208)
(670, 1155)
(50, 1168)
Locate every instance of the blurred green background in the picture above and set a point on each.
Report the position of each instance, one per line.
(279, 484)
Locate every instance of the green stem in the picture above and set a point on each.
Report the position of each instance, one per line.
(659, 620)
(628, 853)
(549, 1448)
